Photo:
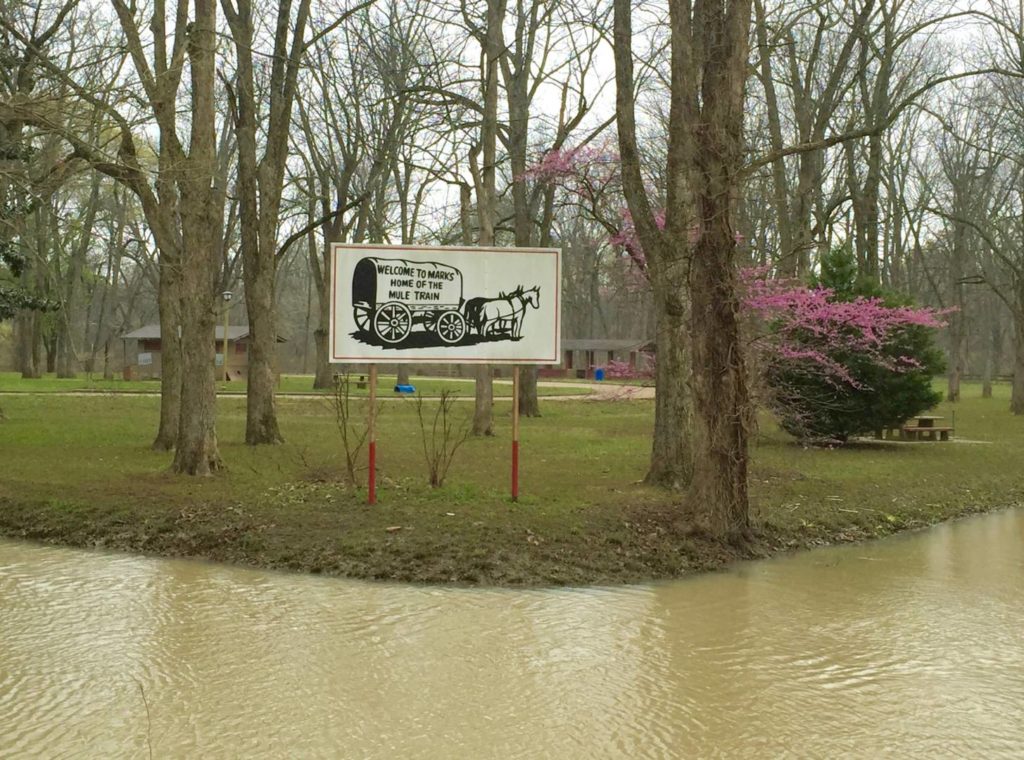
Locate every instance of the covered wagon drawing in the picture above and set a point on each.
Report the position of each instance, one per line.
(392, 296)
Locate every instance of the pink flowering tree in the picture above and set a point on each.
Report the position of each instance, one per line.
(833, 367)
(829, 362)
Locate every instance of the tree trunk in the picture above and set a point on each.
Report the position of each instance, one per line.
(1017, 393)
(196, 452)
(957, 355)
(718, 501)
(957, 331)
(65, 347)
(718, 494)
(261, 405)
(108, 367)
(402, 377)
(24, 328)
(529, 404)
(49, 343)
(671, 463)
(994, 346)
(259, 186)
(484, 397)
(324, 378)
(201, 218)
(70, 317)
(168, 295)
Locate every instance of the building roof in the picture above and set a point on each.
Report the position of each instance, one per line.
(152, 332)
(604, 344)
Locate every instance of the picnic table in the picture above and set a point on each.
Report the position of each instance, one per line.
(919, 428)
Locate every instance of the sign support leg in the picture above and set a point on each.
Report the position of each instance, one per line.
(515, 433)
(371, 435)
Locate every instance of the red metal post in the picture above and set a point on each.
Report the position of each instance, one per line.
(515, 433)
(371, 434)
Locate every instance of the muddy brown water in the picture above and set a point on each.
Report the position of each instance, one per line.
(910, 647)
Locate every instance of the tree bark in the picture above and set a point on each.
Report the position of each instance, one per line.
(529, 402)
(260, 184)
(24, 326)
(1017, 392)
(482, 412)
(196, 452)
(671, 455)
(261, 403)
(169, 305)
(671, 463)
(993, 350)
(710, 47)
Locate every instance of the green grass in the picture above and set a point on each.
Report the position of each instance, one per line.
(78, 470)
(12, 382)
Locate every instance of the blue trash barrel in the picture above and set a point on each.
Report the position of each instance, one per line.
(405, 389)
(599, 374)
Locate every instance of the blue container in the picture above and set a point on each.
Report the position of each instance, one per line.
(405, 389)
(599, 374)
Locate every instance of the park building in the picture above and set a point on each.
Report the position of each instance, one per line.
(143, 352)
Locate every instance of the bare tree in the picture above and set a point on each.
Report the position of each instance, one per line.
(694, 254)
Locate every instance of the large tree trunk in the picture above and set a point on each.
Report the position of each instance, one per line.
(196, 452)
(261, 405)
(201, 212)
(168, 295)
(719, 501)
(718, 495)
(671, 464)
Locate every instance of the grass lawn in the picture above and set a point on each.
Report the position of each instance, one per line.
(12, 382)
(77, 470)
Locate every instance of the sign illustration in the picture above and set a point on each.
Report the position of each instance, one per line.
(460, 305)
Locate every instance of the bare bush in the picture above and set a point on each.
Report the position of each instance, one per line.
(353, 428)
(442, 436)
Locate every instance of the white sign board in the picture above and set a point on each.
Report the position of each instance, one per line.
(458, 305)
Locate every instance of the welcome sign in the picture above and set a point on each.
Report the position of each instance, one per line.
(435, 304)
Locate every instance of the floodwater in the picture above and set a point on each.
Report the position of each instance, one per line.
(911, 647)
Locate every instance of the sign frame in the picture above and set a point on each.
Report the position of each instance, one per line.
(392, 356)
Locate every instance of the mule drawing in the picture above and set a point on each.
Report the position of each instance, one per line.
(503, 315)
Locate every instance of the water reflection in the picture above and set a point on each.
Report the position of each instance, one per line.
(909, 647)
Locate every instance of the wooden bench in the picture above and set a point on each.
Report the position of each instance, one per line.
(924, 433)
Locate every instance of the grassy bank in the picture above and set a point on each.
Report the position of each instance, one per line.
(13, 382)
(77, 471)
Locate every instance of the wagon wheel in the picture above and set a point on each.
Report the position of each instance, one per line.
(363, 313)
(450, 326)
(392, 322)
